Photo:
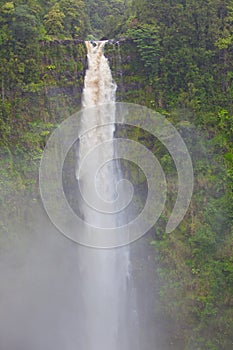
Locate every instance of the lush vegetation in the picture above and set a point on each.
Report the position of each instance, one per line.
(177, 58)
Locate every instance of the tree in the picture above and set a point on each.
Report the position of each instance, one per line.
(105, 16)
(75, 22)
(147, 41)
(53, 20)
(25, 25)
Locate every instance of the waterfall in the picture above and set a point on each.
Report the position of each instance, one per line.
(99, 90)
(99, 86)
(105, 272)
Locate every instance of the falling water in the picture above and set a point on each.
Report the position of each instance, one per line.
(106, 271)
(99, 86)
(99, 90)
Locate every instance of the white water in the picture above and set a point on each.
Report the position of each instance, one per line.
(99, 90)
(106, 272)
(99, 86)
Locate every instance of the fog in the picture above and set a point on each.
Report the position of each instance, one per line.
(57, 294)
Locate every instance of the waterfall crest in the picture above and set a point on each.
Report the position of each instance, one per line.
(99, 86)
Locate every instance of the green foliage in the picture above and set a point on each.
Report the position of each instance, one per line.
(75, 22)
(147, 40)
(24, 24)
(53, 20)
(105, 16)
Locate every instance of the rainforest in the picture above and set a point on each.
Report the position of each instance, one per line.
(174, 57)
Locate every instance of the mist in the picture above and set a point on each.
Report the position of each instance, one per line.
(52, 294)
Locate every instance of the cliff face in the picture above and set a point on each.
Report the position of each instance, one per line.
(40, 91)
(63, 69)
(128, 72)
(63, 65)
